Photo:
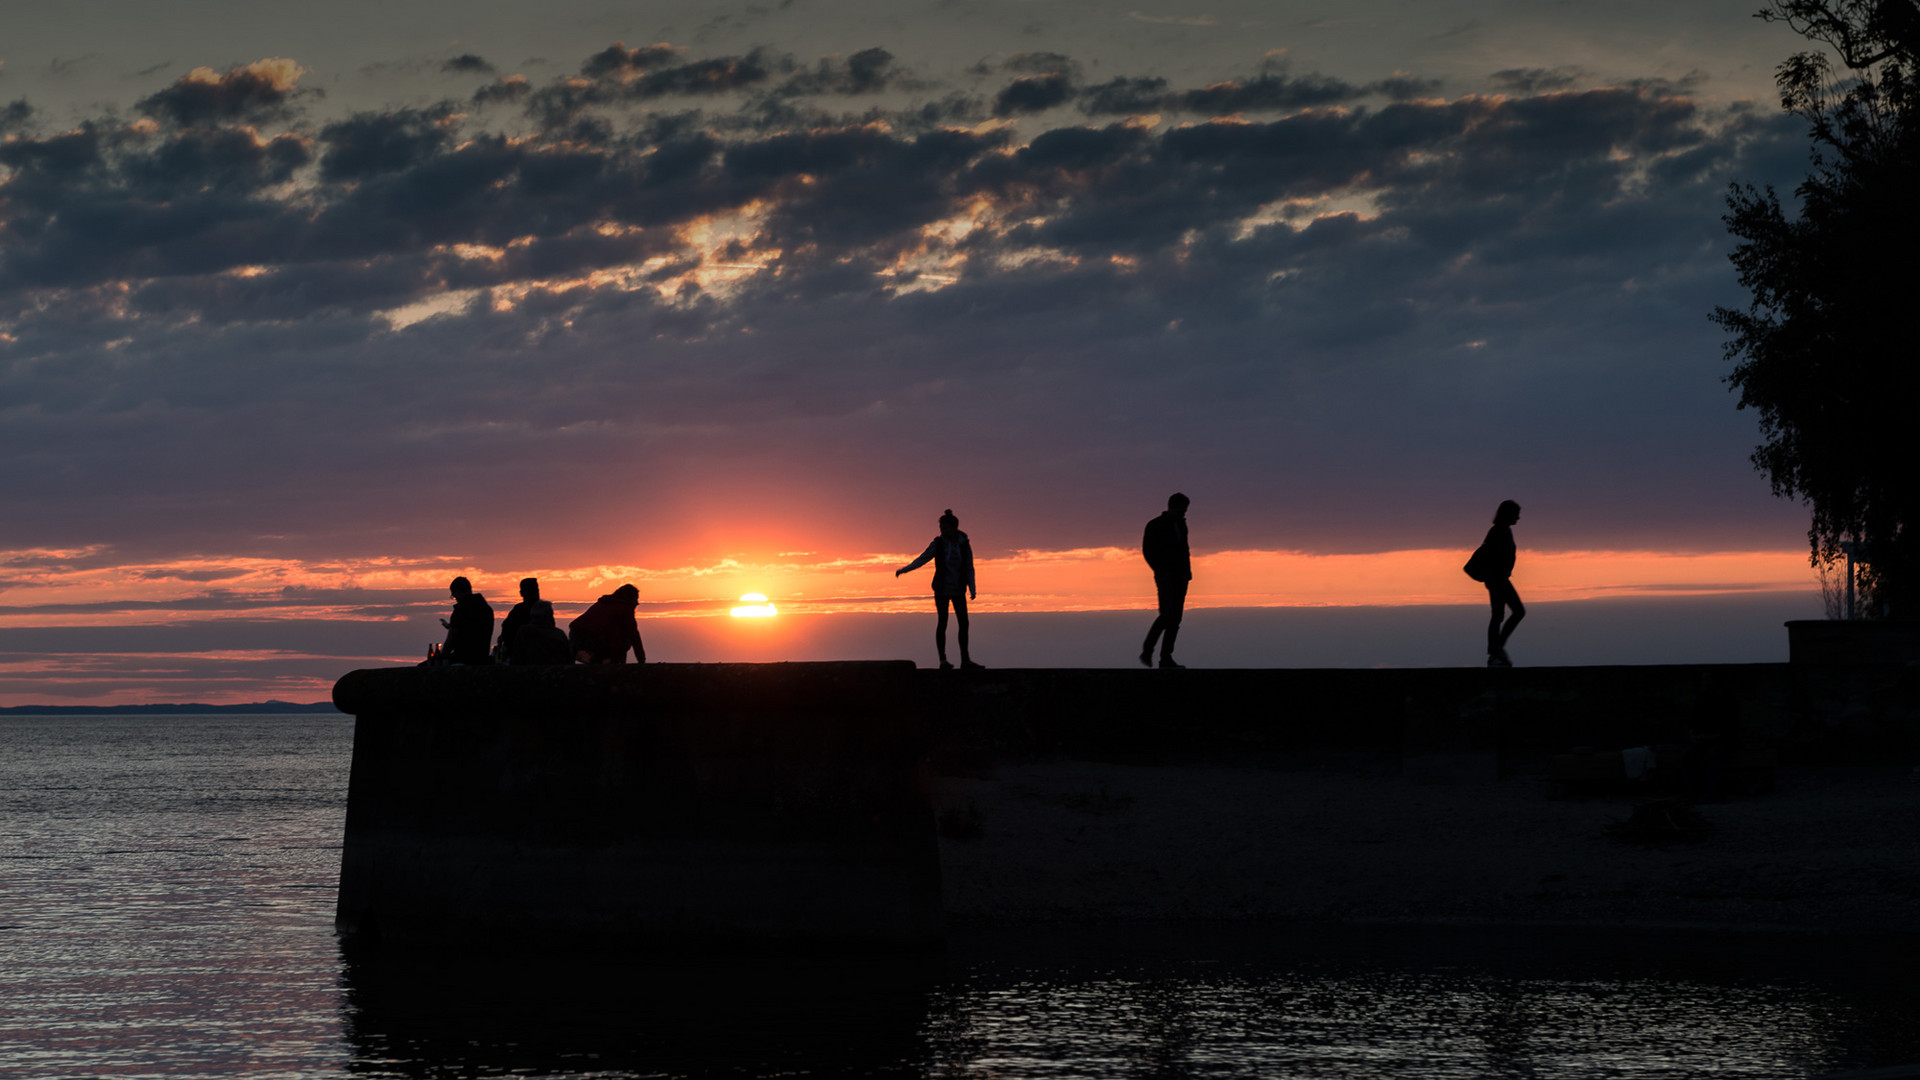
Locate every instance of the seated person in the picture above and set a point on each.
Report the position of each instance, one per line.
(529, 636)
(604, 632)
(470, 627)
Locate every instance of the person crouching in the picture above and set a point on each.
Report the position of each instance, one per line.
(604, 632)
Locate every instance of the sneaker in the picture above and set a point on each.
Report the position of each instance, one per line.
(1498, 659)
(1167, 662)
(1146, 658)
(944, 666)
(971, 666)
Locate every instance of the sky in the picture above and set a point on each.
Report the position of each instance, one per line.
(306, 308)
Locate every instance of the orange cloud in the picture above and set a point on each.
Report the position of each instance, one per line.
(80, 588)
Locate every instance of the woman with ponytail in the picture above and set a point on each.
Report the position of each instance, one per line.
(952, 558)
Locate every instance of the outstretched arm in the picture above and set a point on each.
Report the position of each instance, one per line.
(917, 563)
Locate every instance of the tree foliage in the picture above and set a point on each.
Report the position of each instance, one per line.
(1826, 351)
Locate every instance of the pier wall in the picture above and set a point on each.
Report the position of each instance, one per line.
(665, 804)
(872, 802)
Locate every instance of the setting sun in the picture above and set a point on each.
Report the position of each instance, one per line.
(753, 605)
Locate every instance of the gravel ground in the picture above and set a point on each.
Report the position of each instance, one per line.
(1829, 849)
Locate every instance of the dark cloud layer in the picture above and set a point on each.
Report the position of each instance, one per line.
(255, 93)
(467, 63)
(668, 294)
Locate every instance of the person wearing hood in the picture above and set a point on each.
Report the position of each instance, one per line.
(604, 632)
(469, 627)
(528, 635)
(953, 584)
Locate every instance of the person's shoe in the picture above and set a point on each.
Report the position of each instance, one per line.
(1498, 658)
(969, 665)
(1168, 662)
(944, 666)
(1146, 658)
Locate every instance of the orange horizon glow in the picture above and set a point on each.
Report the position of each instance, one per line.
(89, 588)
(82, 588)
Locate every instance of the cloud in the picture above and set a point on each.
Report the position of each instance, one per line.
(1028, 63)
(865, 72)
(14, 116)
(1175, 20)
(260, 91)
(1032, 94)
(618, 76)
(616, 60)
(1263, 93)
(507, 88)
(59, 68)
(369, 144)
(467, 64)
(1535, 80)
(679, 302)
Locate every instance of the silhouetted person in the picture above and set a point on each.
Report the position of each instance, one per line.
(604, 632)
(1492, 564)
(952, 556)
(528, 635)
(1165, 546)
(470, 627)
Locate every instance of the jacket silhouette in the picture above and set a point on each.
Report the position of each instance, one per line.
(605, 631)
(1492, 565)
(1495, 557)
(952, 556)
(529, 635)
(952, 564)
(1165, 546)
(469, 630)
(523, 613)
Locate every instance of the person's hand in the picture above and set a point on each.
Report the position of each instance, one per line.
(972, 593)
(897, 573)
(445, 624)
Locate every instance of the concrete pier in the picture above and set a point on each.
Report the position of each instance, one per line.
(870, 803)
(665, 805)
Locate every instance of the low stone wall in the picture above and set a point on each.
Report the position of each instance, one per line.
(1422, 796)
(648, 806)
(681, 803)
(1402, 714)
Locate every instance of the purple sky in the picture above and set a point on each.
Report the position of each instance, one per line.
(584, 283)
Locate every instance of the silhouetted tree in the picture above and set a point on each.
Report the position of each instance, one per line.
(1828, 352)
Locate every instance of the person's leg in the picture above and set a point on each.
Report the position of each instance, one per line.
(966, 658)
(940, 629)
(1158, 627)
(960, 615)
(1173, 604)
(1519, 612)
(1498, 598)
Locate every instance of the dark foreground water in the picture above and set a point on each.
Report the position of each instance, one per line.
(166, 900)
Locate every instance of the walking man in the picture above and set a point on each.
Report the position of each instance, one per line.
(1165, 546)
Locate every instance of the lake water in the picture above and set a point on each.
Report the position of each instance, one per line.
(166, 905)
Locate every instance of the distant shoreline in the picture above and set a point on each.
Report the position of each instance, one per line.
(255, 709)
